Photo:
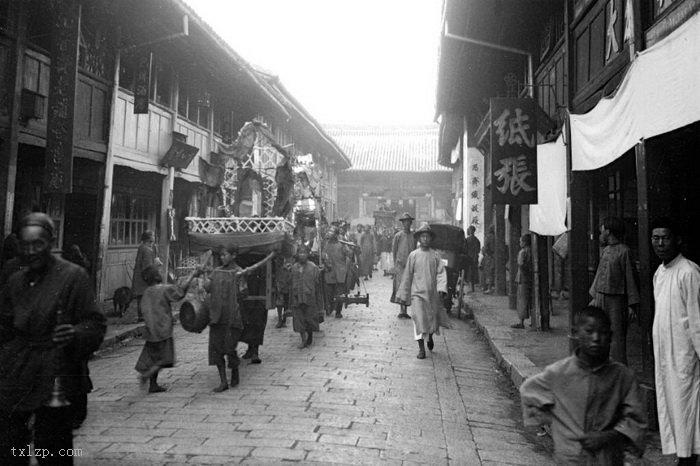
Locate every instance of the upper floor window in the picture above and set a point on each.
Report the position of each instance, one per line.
(7, 15)
(194, 100)
(96, 49)
(39, 25)
(161, 83)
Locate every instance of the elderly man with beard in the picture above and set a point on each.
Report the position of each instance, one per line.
(49, 324)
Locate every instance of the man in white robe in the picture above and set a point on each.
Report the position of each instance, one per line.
(423, 287)
(676, 335)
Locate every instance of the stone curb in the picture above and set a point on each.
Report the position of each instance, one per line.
(511, 360)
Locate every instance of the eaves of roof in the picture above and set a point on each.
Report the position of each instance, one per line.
(298, 109)
(400, 149)
(227, 49)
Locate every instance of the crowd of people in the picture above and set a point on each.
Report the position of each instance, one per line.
(50, 325)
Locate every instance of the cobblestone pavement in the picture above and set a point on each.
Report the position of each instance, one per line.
(357, 396)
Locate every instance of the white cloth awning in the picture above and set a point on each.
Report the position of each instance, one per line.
(548, 216)
(658, 94)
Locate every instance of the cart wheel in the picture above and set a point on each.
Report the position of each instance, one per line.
(367, 302)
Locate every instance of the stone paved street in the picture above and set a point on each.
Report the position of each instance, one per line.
(358, 396)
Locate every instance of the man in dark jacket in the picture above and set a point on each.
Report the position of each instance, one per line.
(49, 325)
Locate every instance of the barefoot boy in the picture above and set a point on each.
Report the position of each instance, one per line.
(591, 401)
(158, 350)
(306, 300)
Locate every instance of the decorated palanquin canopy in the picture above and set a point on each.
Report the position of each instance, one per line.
(285, 181)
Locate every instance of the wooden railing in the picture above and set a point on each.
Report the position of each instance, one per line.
(218, 225)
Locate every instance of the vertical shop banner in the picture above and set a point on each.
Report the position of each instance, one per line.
(474, 191)
(513, 151)
(58, 165)
(142, 82)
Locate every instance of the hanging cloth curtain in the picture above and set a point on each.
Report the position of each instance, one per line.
(548, 216)
(657, 95)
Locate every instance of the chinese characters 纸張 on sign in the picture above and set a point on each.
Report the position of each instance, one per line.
(513, 151)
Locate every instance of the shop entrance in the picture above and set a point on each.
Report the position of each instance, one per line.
(674, 175)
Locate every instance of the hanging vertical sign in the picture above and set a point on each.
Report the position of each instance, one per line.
(142, 82)
(58, 165)
(474, 190)
(513, 151)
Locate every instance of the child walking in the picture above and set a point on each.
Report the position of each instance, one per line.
(423, 288)
(591, 401)
(306, 300)
(156, 306)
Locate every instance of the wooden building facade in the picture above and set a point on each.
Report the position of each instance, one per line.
(155, 94)
(573, 57)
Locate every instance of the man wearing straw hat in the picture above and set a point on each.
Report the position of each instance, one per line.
(423, 287)
(401, 246)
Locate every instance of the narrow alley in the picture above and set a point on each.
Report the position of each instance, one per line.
(357, 396)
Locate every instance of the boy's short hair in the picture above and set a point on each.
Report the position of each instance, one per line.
(615, 225)
(668, 223)
(593, 312)
(151, 275)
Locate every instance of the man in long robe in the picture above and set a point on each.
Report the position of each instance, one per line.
(423, 287)
(402, 245)
(676, 337)
(336, 257)
(49, 325)
(614, 287)
(145, 257)
(473, 248)
(305, 299)
(367, 252)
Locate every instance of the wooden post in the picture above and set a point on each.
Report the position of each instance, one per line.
(168, 193)
(646, 309)
(103, 248)
(536, 317)
(542, 259)
(500, 255)
(9, 148)
(577, 193)
(514, 217)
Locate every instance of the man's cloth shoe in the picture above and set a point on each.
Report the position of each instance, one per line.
(421, 354)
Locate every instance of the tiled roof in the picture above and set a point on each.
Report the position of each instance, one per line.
(389, 149)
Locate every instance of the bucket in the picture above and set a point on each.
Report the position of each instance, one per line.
(194, 315)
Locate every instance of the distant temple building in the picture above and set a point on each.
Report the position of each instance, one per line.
(394, 168)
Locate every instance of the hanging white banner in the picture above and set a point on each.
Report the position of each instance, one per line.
(657, 95)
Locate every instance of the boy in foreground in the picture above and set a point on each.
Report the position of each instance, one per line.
(591, 401)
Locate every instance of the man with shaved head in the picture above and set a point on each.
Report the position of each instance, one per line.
(49, 325)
